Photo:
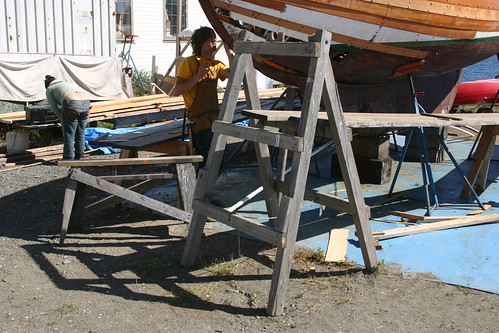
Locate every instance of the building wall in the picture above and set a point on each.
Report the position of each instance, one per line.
(147, 17)
(81, 27)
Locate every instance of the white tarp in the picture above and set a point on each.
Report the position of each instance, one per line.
(22, 75)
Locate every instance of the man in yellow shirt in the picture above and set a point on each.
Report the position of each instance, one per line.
(196, 81)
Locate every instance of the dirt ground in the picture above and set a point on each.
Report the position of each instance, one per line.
(122, 273)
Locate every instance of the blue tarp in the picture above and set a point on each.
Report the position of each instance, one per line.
(94, 132)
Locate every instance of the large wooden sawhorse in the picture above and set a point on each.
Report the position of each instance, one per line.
(283, 210)
(150, 172)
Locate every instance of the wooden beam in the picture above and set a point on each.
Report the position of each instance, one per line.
(132, 161)
(241, 223)
(127, 194)
(467, 221)
(271, 138)
(113, 200)
(382, 120)
(278, 48)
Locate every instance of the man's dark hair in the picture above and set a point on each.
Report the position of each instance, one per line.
(200, 36)
(48, 80)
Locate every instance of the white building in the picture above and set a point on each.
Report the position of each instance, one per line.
(154, 22)
(67, 37)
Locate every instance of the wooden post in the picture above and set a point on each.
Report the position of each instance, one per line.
(487, 139)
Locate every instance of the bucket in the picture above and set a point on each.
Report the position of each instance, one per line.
(17, 141)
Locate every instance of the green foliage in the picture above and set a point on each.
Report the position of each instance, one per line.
(67, 308)
(144, 87)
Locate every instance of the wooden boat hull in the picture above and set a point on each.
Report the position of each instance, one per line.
(371, 39)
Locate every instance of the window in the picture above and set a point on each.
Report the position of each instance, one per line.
(123, 18)
(170, 18)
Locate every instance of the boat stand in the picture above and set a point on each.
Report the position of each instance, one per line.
(428, 182)
(283, 202)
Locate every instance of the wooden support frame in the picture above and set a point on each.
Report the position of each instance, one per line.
(285, 207)
(481, 160)
(74, 199)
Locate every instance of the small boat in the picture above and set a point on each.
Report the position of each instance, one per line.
(370, 40)
(474, 92)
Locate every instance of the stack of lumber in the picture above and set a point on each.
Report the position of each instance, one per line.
(136, 105)
(33, 155)
(12, 117)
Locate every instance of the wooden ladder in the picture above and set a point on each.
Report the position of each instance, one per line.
(285, 207)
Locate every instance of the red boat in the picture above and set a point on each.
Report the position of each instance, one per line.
(474, 92)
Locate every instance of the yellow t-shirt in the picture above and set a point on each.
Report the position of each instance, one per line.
(189, 67)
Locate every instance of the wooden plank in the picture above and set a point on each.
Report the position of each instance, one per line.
(113, 178)
(67, 207)
(241, 223)
(132, 161)
(337, 246)
(348, 40)
(186, 177)
(467, 221)
(487, 206)
(278, 48)
(382, 120)
(113, 200)
(289, 215)
(130, 195)
(271, 138)
(387, 20)
(408, 215)
(324, 199)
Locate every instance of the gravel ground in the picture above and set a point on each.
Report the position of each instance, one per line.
(122, 273)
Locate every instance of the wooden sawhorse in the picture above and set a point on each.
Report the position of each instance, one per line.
(286, 208)
(151, 172)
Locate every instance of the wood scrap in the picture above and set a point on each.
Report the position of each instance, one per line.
(390, 221)
(480, 211)
(337, 246)
(461, 222)
(409, 216)
(22, 166)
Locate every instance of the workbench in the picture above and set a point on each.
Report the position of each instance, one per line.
(288, 120)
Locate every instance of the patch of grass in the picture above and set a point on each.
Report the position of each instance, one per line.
(300, 294)
(379, 268)
(51, 323)
(67, 308)
(223, 269)
(204, 291)
(306, 255)
(147, 265)
(344, 300)
(182, 297)
(105, 124)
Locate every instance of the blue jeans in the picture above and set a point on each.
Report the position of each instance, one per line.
(74, 120)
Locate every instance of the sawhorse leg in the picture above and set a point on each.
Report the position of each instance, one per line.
(73, 207)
